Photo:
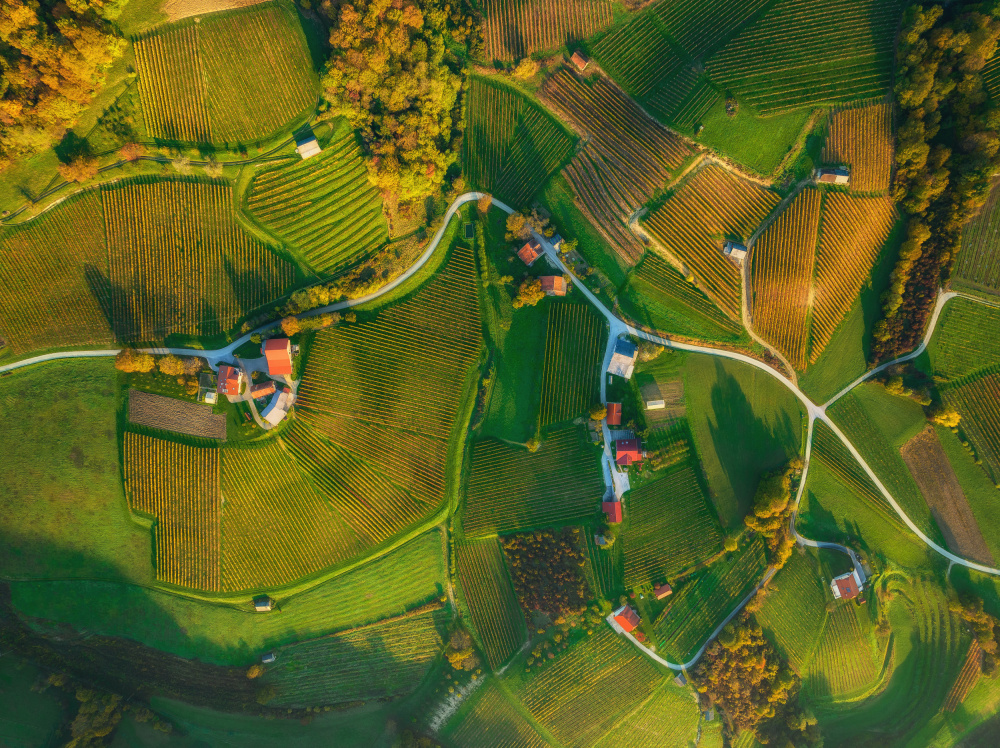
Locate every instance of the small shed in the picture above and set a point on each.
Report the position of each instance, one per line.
(847, 586)
(614, 511)
(623, 359)
(736, 251)
(230, 380)
(627, 452)
(278, 352)
(614, 417)
(268, 658)
(556, 242)
(211, 397)
(263, 389)
(530, 252)
(833, 176)
(661, 591)
(278, 408)
(553, 285)
(627, 618)
(262, 603)
(307, 146)
(580, 61)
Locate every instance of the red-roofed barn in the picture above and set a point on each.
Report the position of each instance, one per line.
(614, 414)
(627, 618)
(278, 352)
(627, 452)
(553, 285)
(613, 509)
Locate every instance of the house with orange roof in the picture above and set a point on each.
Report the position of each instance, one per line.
(614, 416)
(230, 380)
(530, 252)
(278, 352)
(627, 618)
(553, 285)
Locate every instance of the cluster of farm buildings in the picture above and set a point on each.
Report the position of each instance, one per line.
(277, 354)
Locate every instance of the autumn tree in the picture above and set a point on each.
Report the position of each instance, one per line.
(78, 169)
(483, 204)
(130, 361)
(131, 152)
(291, 326)
(529, 293)
(772, 511)
(546, 568)
(171, 365)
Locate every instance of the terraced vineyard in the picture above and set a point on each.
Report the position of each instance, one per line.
(979, 403)
(178, 485)
(848, 60)
(854, 231)
(581, 695)
(978, 261)
(324, 206)
(705, 600)
(573, 353)
(380, 661)
(518, 28)
(693, 223)
(669, 719)
(365, 385)
(494, 723)
(794, 612)
(781, 279)
(697, 26)
(511, 488)
(671, 528)
(228, 78)
(845, 660)
(963, 341)
(511, 144)
(861, 137)
(45, 268)
(482, 572)
(275, 527)
(155, 290)
(991, 76)
(637, 55)
(967, 678)
(829, 450)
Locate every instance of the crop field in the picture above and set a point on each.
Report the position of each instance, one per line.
(669, 719)
(171, 414)
(366, 383)
(705, 600)
(482, 572)
(47, 300)
(671, 528)
(862, 138)
(854, 232)
(155, 290)
(967, 678)
(792, 56)
(693, 223)
(979, 403)
(845, 660)
(782, 273)
(493, 722)
(991, 76)
(638, 55)
(829, 450)
(380, 661)
(964, 341)
(519, 28)
(512, 489)
(179, 486)
(581, 695)
(231, 78)
(511, 144)
(698, 26)
(794, 611)
(324, 207)
(572, 361)
(275, 527)
(607, 566)
(978, 261)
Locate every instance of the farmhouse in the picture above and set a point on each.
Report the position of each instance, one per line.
(580, 61)
(627, 452)
(623, 360)
(262, 390)
(847, 586)
(553, 285)
(614, 417)
(735, 251)
(230, 380)
(627, 618)
(307, 147)
(833, 176)
(278, 352)
(614, 511)
(278, 407)
(262, 603)
(661, 591)
(530, 252)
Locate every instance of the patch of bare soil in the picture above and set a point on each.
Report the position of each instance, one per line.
(939, 484)
(178, 9)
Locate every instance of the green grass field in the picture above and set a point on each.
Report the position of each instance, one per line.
(323, 207)
(794, 612)
(705, 599)
(493, 606)
(234, 635)
(513, 489)
(573, 353)
(963, 341)
(63, 512)
(759, 143)
(27, 719)
(669, 719)
(744, 423)
(492, 722)
(670, 528)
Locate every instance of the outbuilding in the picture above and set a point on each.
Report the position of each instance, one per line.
(613, 509)
(268, 658)
(262, 603)
(278, 352)
(580, 61)
(553, 285)
(735, 251)
(262, 390)
(833, 176)
(661, 591)
(278, 408)
(614, 417)
(623, 359)
(307, 146)
(847, 586)
(627, 618)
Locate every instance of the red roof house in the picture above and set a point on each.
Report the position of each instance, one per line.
(613, 509)
(627, 618)
(278, 352)
(580, 61)
(614, 414)
(660, 591)
(530, 252)
(553, 285)
(627, 452)
(262, 390)
(846, 586)
(230, 380)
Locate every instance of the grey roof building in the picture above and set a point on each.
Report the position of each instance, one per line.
(623, 359)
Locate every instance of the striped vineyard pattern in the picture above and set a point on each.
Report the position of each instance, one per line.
(572, 356)
(861, 137)
(482, 572)
(519, 28)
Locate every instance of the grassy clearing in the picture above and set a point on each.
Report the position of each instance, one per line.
(794, 612)
(573, 352)
(63, 512)
(492, 722)
(228, 635)
(513, 489)
(744, 423)
(671, 528)
(669, 719)
(964, 341)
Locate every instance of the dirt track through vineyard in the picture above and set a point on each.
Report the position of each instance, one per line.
(939, 485)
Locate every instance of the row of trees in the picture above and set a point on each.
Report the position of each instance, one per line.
(771, 513)
(946, 151)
